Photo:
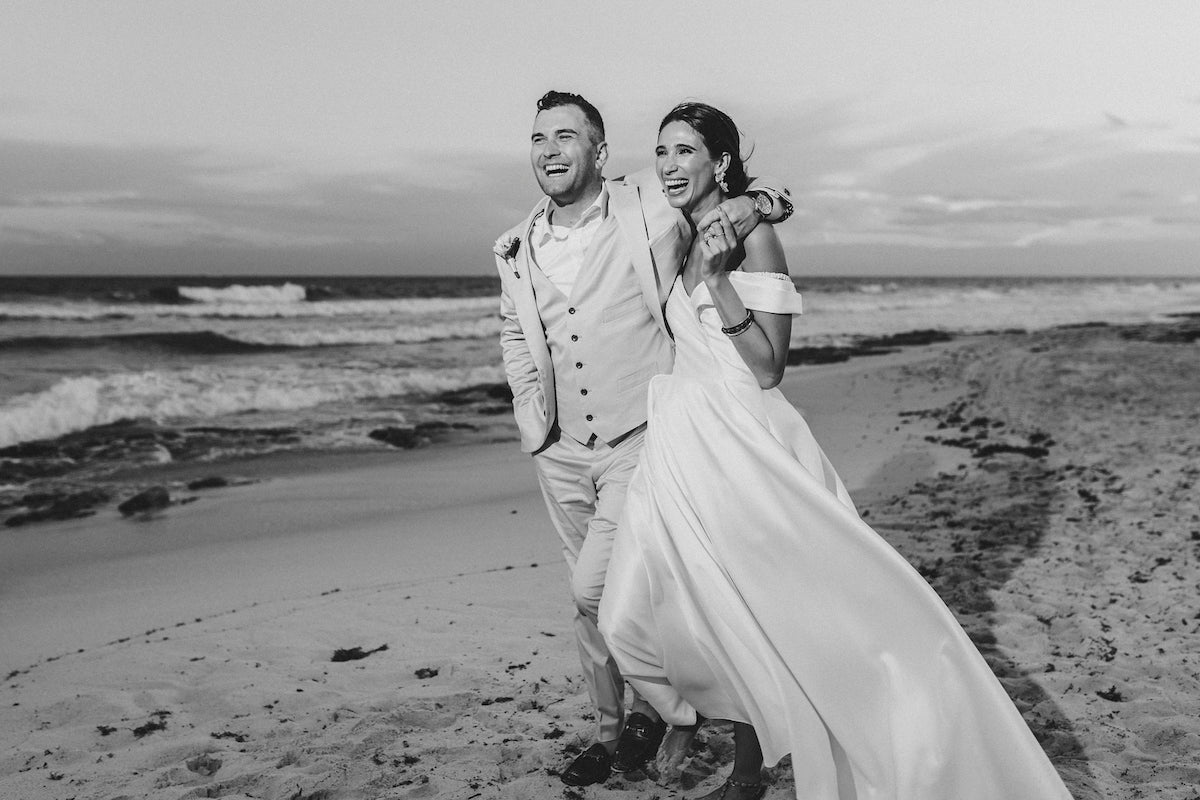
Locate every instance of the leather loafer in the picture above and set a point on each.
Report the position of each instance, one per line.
(639, 742)
(591, 766)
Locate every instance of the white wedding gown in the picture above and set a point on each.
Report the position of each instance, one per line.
(744, 585)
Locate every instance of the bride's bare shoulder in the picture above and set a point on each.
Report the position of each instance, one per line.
(764, 251)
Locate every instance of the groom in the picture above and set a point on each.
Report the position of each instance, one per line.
(583, 282)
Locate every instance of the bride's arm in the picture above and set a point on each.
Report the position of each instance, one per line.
(763, 341)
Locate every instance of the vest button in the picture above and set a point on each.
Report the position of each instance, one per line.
(571, 310)
(583, 391)
(574, 338)
(588, 417)
(578, 365)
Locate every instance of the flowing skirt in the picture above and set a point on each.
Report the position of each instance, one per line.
(744, 585)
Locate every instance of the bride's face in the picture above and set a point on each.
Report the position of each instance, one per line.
(685, 167)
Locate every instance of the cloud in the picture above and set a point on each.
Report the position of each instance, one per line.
(947, 188)
(856, 185)
(66, 204)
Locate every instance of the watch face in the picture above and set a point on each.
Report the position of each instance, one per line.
(762, 203)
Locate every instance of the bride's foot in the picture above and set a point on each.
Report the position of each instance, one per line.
(737, 790)
(674, 749)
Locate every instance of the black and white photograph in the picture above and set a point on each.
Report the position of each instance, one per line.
(617, 401)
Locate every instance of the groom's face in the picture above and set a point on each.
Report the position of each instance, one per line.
(567, 160)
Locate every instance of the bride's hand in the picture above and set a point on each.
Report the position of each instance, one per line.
(717, 243)
(741, 214)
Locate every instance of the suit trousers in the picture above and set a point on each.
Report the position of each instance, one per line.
(584, 487)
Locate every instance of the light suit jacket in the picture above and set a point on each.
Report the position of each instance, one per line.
(656, 238)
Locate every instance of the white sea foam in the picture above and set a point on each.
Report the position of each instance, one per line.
(287, 293)
(249, 309)
(460, 331)
(210, 392)
(401, 334)
(838, 315)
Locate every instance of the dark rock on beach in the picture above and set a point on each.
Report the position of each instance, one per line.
(57, 506)
(477, 394)
(865, 346)
(487, 399)
(155, 498)
(1185, 332)
(208, 482)
(404, 438)
(354, 653)
(103, 449)
(19, 472)
(419, 435)
(437, 425)
(827, 355)
(1000, 447)
(907, 339)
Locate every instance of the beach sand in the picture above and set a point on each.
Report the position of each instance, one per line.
(192, 654)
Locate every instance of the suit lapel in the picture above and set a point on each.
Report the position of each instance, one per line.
(522, 292)
(625, 204)
(522, 264)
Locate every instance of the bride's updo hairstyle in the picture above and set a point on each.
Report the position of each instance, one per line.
(720, 136)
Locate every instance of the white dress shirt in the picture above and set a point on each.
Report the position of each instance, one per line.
(559, 249)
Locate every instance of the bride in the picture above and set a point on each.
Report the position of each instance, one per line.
(744, 586)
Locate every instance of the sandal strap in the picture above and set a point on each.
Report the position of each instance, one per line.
(744, 785)
(758, 787)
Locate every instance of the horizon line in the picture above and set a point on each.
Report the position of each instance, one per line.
(492, 274)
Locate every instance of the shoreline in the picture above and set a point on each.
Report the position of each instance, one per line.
(203, 642)
(84, 473)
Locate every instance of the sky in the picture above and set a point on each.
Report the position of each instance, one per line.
(301, 138)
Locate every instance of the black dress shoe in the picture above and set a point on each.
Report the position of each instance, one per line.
(638, 743)
(592, 766)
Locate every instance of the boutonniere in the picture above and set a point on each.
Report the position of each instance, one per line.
(507, 247)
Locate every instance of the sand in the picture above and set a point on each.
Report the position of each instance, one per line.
(191, 654)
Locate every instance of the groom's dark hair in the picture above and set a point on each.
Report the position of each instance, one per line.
(553, 99)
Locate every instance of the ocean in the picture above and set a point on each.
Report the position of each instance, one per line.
(100, 373)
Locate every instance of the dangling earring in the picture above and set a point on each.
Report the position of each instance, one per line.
(720, 176)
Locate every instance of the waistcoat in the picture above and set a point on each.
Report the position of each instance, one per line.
(604, 344)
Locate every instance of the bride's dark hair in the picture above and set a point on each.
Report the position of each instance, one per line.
(720, 135)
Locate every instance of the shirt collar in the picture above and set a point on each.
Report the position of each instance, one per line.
(598, 210)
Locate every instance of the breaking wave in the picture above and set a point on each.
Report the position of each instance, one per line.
(203, 393)
(287, 293)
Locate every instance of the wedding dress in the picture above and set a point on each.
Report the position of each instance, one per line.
(744, 585)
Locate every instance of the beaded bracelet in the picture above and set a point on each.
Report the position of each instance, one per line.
(741, 327)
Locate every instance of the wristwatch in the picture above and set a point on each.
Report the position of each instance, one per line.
(763, 204)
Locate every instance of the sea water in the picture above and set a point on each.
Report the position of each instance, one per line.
(331, 359)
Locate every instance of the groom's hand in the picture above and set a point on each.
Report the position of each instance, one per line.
(739, 212)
